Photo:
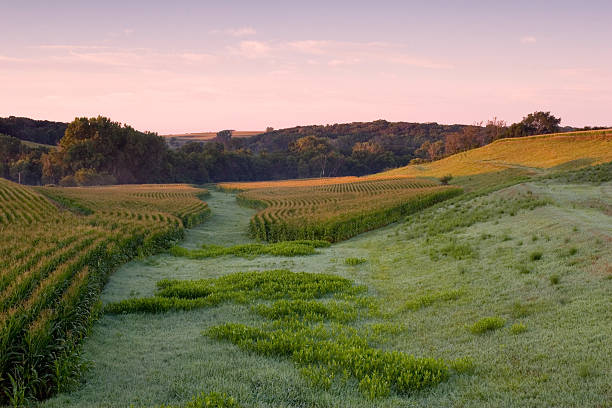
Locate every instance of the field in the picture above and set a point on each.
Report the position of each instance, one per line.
(503, 298)
(535, 154)
(498, 297)
(182, 138)
(51, 276)
(335, 212)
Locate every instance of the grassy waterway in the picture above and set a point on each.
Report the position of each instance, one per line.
(561, 359)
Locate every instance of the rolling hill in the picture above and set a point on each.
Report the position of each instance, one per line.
(533, 153)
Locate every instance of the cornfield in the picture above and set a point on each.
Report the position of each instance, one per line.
(57, 248)
(335, 212)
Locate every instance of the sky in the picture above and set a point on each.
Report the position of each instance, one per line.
(190, 66)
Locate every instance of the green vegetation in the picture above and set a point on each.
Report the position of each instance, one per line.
(284, 248)
(208, 400)
(594, 174)
(566, 334)
(294, 212)
(518, 328)
(431, 298)
(51, 277)
(487, 324)
(241, 287)
(376, 370)
(355, 261)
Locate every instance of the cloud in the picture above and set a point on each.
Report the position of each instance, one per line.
(236, 32)
(528, 40)
(252, 49)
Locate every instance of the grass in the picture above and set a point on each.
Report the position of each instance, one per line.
(487, 324)
(284, 248)
(560, 360)
(208, 400)
(355, 261)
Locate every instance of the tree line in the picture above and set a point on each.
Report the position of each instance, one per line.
(94, 151)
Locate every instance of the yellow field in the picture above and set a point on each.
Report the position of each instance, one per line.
(530, 153)
(206, 136)
(312, 182)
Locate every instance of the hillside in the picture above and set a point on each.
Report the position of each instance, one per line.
(38, 131)
(533, 153)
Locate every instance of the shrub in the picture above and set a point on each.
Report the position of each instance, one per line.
(355, 261)
(487, 324)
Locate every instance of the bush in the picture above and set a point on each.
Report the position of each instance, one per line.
(487, 324)
(355, 261)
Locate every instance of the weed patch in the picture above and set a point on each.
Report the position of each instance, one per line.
(487, 324)
(240, 287)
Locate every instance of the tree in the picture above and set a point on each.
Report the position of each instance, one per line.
(224, 137)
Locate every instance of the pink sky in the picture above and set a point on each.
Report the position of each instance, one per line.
(208, 68)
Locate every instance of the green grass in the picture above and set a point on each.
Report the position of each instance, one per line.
(561, 359)
(487, 324)
(240, 287)
(208, 400)
(355, 261)
(284, 248)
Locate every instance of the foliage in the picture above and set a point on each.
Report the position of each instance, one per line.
(307, 310)
(51, 277)
(284, 248)
(487, 324)
(38, 131)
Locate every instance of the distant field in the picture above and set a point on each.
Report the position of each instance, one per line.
(182, 138)
(529, 153)
(57, 247)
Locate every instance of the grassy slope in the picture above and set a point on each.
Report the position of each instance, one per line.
(561, 359)
(528, 153)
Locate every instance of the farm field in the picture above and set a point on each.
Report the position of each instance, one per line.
(335, 212)
(510, 291)
(57, 248)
